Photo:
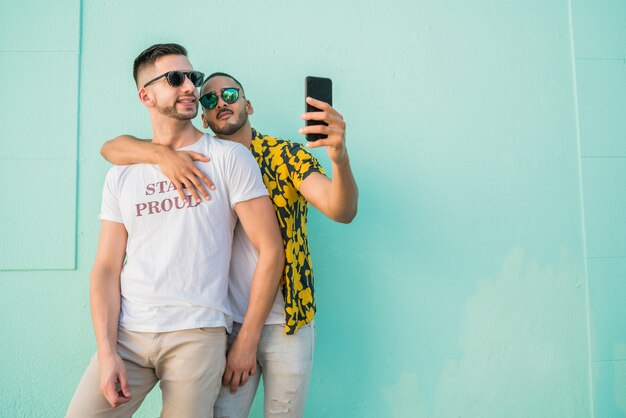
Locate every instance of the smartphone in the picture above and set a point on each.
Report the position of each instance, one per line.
(319, 88)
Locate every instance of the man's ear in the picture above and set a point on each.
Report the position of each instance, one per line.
(249, 108)
(145, 97)
(205, 124)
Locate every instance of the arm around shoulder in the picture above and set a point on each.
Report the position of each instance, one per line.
(127, 149)
(178, 166)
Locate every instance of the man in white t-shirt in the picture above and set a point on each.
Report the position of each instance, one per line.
(159, 283)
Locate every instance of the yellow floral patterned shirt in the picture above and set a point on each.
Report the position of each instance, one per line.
(284, 165)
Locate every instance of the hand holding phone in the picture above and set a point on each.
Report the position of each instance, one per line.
(333, 138)
(319, 88)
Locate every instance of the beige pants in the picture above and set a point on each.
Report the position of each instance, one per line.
(189, 364)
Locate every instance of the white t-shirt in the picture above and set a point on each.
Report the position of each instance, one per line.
(242, 264)
(177, 256)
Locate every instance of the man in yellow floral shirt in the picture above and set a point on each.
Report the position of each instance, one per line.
(293, 178)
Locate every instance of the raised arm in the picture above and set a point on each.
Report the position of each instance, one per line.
(337, 198)
(127, 149)
(105, 300)
(177, 166)
(259, 222)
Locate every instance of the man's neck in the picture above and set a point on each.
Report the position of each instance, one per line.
(243, 136)
(175, 134)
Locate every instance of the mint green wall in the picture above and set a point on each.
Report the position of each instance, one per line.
(483, 274)
(39, 63)
(600, 52)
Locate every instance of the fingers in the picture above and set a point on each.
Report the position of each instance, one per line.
(124, 386)
(228, 375)
(244, 378)
(194, 193)
(204, 178)
(197, 176)
(180, 190)
(321, 129)
(328, 117)
(240, 363)
(114, 383)
(238, 380)
(231, 378)
(110, 393)
(234, 379)
(333, 135)
(193, 185)
(196, 189)
(334, 129)
(115, 396)
(321, 105)
(245, 374)
(179, 167)
(199, 179)
(187, 179)
(316, 144)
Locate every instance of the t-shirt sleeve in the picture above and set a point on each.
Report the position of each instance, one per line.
(110, 209)
(243, 177)
(301, 163)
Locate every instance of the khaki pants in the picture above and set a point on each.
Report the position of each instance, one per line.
(189, 364)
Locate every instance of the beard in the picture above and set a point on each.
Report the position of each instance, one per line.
(173, 112)
(229, 128)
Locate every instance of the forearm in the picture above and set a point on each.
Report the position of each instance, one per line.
(343, 194)
(265, 283)
(105, 300)
(129, 150)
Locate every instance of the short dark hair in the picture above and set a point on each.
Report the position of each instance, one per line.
(150, 55)
(219, 74)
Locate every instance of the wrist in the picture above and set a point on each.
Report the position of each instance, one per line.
(159, 152)
(107, 346)
(106, 352)
(249, 335)
(342, 158)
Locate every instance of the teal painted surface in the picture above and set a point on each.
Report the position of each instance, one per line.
(599, 28)
(609, 384)
(461, 287)
(602, 100)
(40, 25)
(44, 105)
(607, 288)
(605, 205)
(600, 51)
(39, 102)
(38, 225)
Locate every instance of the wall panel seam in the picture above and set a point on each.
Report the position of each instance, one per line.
(582, 208)
(77, 150)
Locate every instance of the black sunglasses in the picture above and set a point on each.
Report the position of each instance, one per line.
(177, 78)
(230, 95)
